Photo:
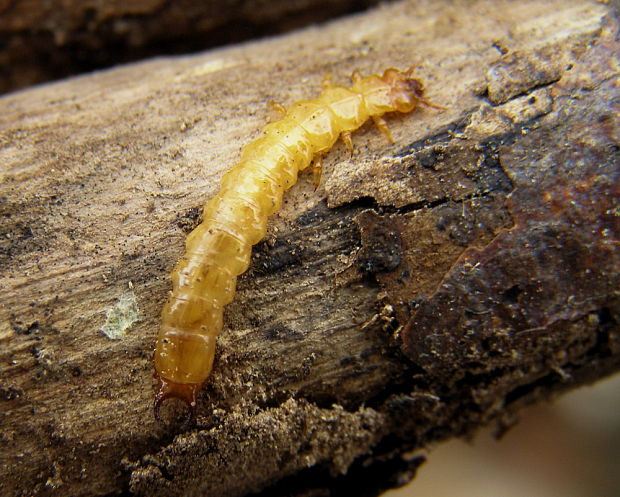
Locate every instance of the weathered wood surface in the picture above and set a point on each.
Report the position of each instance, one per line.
(426, 288)
(42, 40)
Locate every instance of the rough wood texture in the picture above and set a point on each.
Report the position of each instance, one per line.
(49, 39)
(426, 288)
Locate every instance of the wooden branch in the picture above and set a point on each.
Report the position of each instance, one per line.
(427, 288)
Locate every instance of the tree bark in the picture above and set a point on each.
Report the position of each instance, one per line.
(425, 289)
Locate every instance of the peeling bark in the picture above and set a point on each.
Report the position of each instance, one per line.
(426, 289)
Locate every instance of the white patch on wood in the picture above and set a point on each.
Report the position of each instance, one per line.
(121, 317)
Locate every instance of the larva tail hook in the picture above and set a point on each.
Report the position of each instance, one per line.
(186, 392)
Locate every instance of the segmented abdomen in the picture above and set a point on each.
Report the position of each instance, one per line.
(219, 249)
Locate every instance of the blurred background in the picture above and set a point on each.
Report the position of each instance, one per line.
(43, 40)
(570, 448)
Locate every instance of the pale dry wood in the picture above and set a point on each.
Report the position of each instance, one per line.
(103, 175)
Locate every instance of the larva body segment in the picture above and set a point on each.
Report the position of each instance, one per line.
(219, 249)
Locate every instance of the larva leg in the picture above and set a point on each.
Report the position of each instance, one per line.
(327, 81)
(383, 127)
(277, 108)
(432, 106)
(346, 138)
(356, 76)
(317, 170)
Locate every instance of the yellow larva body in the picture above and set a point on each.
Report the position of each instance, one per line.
(219, 249)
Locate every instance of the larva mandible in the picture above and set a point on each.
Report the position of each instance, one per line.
(219, 249)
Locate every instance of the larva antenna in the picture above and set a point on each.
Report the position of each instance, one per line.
(186, 392)
(426, 103)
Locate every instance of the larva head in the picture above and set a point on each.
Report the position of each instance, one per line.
(405, 91)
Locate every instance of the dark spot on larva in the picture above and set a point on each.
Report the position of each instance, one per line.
(190, 219)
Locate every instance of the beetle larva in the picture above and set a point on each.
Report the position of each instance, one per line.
(219, 249)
